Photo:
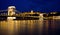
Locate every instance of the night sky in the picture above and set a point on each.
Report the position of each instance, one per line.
(28, 5)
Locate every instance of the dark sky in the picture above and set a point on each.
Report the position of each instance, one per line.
(28, 5)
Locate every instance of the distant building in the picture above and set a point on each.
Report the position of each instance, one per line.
(54, 15)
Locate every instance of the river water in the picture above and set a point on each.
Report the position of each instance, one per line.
(30, 27)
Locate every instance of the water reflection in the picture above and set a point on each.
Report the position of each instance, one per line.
(30, 27)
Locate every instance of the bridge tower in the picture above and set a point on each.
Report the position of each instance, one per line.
(11, 11)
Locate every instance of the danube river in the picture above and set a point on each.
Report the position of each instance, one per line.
(30, 27)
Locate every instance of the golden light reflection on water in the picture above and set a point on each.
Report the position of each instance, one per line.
(21, 27)
(13, 26)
